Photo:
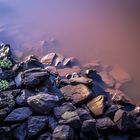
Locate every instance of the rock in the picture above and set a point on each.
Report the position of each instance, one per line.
(5, 133)
(52, 123)
(63, 132)
(97, 105)
(69, 61)
(124, 121)
(7, 75)
(5, 51)
(78, 94)
(63, 82)
(89, 130)
(72, 119)
(31, 62)
(58, 111)
(20, 131)
(107, 79)
(43, 103)
(7, 98)
(91, 73)
(48, 59)
(45, 136)
(120, 76)
(105, 124)
(18, 79)
(52, 70)
(118, 137)
(33, 79)
(4, 112)
(112, 109)
(83, 114)
(63, 72)
(36, 124)
(18, 114)
(58, 61)
(81, 80)
(21, 99)
(118, 97)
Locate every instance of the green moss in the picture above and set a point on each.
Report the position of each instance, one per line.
(5, 64)
(3, 85)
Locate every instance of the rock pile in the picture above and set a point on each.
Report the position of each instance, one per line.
(39, 103)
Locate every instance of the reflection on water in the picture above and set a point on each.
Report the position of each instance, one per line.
(86, 29)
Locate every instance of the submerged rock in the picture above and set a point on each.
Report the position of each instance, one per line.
(77, 93)
(48, 59)
(45, 136)
(63, 132)
(43, 103)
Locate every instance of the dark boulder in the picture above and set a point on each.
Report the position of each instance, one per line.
(124, 121)
(78, 94)
(91, 73)
(45, 136)
(21, 99)
(43, 103)
(36, 124)
(18, 114)
(58, 111)
(72, 119)
(52, 123)
(89, 130)
(63, 132)
(105, 124)
(20, 132)
(83, 114)
(5, 133)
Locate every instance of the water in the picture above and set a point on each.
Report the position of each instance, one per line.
(87, 29)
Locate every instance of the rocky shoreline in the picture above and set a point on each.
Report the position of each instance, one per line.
(56, 99)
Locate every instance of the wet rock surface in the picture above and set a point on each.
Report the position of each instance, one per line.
(56, 99)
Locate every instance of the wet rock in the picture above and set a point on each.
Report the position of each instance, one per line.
(120, 76)
(4, 112)
(31, 62)
(107, 79)
(124, 121)
(20, 131)
(52, 70)
(5, 133)
(18, 114)
(72, 119)
(63, 82)
(78, 94)
(43, 103)
(91, 73)
(45, 136)
(52, 122)
(33, 79)
(89, 130)
(5, 51)
(21, 99)
(63, 132)
(48, 59)
(63, 72)
(69, 61)
(81, 80)
(58, 61)
(97, 105)
(105, 124)
(83, 114)
(58, 111)
(7, 98)
(36, 124)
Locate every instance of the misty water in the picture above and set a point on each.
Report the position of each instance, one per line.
(86, 29)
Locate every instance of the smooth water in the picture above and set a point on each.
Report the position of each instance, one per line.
(87, 29)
